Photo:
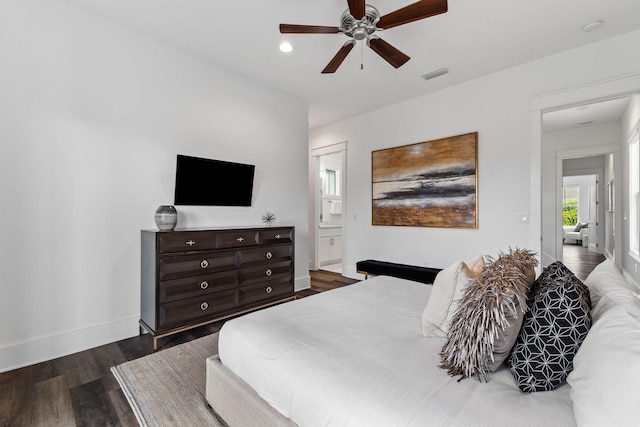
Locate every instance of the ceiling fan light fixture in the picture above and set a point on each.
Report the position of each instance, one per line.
(435, 73)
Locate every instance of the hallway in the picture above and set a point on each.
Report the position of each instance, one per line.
(580, 260)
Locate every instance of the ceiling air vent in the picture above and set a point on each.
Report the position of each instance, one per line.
(435, 73)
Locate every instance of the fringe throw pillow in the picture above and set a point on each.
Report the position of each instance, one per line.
(488, 319)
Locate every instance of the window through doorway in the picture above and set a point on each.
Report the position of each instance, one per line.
(570, 204)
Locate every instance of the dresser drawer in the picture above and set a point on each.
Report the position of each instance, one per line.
(264, 255)
(185, 310)
(171, 290)
(236, 239)
(265, 273)
(183, 241)
(276, 235)
(265, 291)
(173, 267)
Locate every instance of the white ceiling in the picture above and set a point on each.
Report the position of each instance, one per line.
(610, 111)
(472, 39)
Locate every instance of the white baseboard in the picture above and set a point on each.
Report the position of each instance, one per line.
(350, 272)
(546, 259)
(25, 353)
(302, 283)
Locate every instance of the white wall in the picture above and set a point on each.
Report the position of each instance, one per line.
(499, 108)
(91, 119)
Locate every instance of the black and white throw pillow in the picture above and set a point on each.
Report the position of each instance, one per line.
(556, 324)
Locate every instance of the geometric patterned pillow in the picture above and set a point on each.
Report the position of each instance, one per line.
(553, 329)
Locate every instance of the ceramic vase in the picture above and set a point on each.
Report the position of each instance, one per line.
(166, 218)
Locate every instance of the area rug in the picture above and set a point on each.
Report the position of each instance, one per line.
(167, 388)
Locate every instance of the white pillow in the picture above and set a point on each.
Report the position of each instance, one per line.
(447, 291)
(606, 370)
(603, 279)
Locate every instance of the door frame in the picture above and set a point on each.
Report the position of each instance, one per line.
(586, 94)
(599, 217)
(316, 184)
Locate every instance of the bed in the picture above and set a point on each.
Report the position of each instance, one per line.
(356, 356)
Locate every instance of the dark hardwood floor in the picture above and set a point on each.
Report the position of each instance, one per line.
(79, 389)
(580, 260)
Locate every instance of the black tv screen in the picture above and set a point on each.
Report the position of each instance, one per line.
(206, 182)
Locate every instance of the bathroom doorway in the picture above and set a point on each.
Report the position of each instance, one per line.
(329, 208)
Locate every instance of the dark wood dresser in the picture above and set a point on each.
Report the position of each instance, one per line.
(193, 277)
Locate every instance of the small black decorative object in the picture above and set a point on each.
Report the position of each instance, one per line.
(269, 218)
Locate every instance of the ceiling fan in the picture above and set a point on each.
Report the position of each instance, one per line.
(361, 21)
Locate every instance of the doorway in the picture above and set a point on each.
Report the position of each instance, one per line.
(581, 156)
(582, 213)
(329, 195)
(581, 210)
(542, 232)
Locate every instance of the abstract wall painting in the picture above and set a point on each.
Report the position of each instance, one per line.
(428, 184)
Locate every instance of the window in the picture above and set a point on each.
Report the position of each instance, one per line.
(331, 183)
(634, 194)
(570, 204)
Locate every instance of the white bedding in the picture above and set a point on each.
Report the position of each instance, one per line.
(356, 356)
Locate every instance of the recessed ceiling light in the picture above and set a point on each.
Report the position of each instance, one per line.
(591, 26)
(286, 47)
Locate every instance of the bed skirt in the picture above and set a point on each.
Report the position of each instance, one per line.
(237, 403)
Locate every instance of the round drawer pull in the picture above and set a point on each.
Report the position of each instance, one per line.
(268, 273)
(204, 306)
(204, 285)
(268, 255)
(204, 263)
(269, 289)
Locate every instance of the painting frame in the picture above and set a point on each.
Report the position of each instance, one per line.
(426, 184)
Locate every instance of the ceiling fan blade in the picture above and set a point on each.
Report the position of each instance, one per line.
(340, 56)
(308, 29)
(356, 8)
(389, 53)
(413, 12)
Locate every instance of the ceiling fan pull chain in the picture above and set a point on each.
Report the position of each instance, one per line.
(361, 56)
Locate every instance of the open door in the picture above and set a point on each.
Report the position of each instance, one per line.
(594, 215)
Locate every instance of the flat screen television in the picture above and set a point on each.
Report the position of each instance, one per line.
(206, 182)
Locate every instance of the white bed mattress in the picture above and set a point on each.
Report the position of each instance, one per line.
(356, 356)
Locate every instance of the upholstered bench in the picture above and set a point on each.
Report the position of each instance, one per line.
(372, 267)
